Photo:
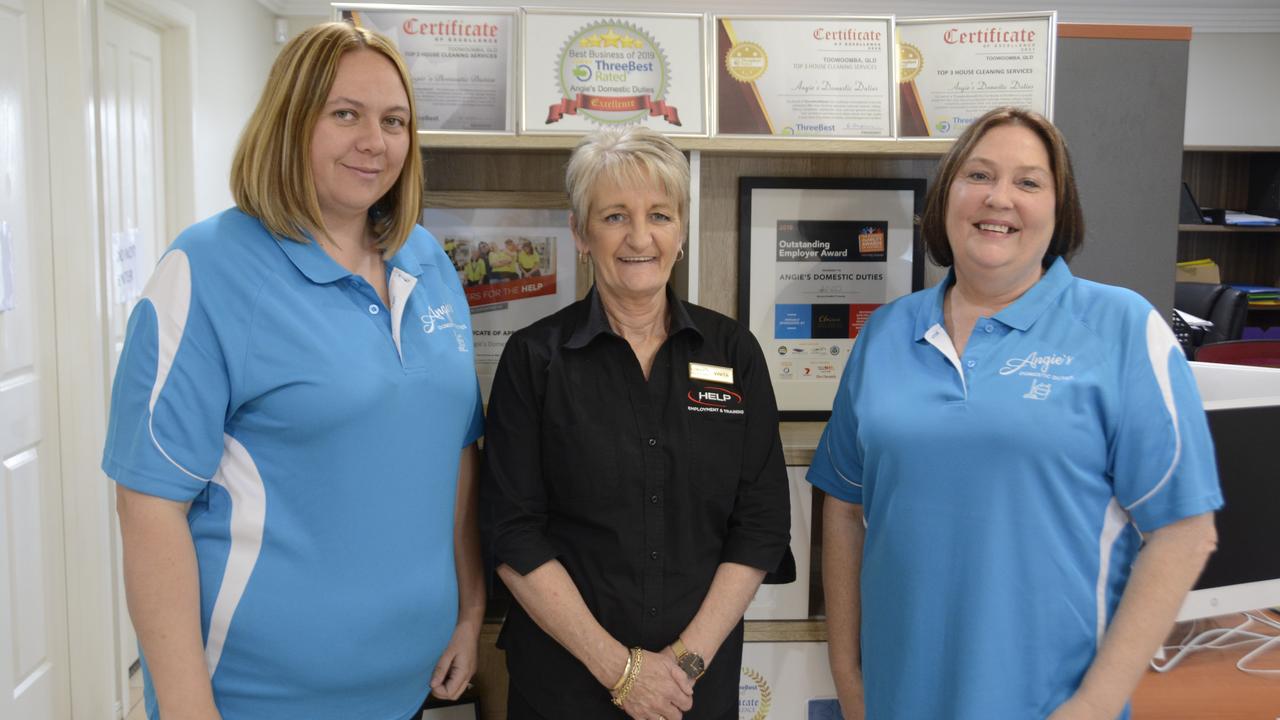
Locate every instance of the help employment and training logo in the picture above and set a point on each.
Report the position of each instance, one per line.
(613, 73)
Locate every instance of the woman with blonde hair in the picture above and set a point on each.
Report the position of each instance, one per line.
(294, 419)
(634, 488)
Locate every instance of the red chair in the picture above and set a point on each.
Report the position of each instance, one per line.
(1263, 353)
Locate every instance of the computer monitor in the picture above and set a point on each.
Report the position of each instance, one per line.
(1243, 406)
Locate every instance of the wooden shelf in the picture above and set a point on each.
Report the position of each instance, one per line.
(813, 630)
(799, 440)
(1231, 148)
(1228, 229)
(726, 145)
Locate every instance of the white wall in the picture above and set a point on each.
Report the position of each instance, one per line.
(234, 52)
(1232, 86)
(298, 23)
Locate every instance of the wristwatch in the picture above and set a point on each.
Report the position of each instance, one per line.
(690, 662)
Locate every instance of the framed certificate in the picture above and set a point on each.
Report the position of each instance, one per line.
(462, 61)
(516, 265)
(951, 70)
(804, 76)
(584, 71)
(816, 257)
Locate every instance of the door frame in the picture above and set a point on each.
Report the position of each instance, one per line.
(80, 267)
(175, 24)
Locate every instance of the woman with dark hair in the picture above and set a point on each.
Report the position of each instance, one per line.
(1019, 476)
(294, 418)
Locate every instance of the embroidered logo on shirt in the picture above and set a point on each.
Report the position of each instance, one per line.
(1045, 366)
(1035, 362)
(1038, 391)
(441, 318)
(712, 399)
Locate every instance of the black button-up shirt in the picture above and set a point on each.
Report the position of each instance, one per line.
(641, 489)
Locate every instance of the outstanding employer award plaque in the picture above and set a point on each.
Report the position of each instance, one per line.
(952, 70)
(804, 76)
(582, 71)
(460, 59)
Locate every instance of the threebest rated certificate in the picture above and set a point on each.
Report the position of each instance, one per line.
(804, 76)
(461, 62)
(952, 70)
(582, 72)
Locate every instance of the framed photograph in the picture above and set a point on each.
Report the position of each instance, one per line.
(583, 70)
(516, 264)
(804, 77)
(462, 61)
(951, 70)
(816, 256)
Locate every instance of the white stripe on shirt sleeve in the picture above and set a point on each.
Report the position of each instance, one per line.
(1160, 343)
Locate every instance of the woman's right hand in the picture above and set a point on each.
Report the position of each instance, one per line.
(661, 690)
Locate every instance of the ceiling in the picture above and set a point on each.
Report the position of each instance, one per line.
(1202, 16)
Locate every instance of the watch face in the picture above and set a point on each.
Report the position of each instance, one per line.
(692, 665)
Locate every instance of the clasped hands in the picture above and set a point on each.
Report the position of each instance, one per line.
(662, 691)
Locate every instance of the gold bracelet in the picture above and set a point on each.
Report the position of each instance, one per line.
(625, 672)
(637, 656)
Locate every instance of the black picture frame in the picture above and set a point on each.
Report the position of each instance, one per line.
(821, 198)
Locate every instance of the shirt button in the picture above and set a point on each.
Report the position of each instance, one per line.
(989, 329)
(654, 499)
(653, 612)
(971, 363)
(653, 555)
(652, 442)
(373, 309)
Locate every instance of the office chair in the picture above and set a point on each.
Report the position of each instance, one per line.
(1222, 305)
(1262, 353)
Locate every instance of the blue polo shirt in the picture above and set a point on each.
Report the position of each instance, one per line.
(1005, 489)
(316, 434)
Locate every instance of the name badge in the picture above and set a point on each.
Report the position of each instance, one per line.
(710, 373)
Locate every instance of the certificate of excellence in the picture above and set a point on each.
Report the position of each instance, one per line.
(804, 76)
(952, 70)
(461, 63)
(582, 72)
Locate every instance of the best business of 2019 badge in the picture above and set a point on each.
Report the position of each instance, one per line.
(613, 73)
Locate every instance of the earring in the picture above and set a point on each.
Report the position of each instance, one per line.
(583, 257)
(680, 254)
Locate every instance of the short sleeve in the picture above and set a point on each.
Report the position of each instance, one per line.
(513, 496)
(759, 527)
(1161, 459)
(837, 462)
(171, 391)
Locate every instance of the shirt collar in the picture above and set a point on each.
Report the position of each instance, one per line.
(597, 323)
(1021, 314)
(313, 262)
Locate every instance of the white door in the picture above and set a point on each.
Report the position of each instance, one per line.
(133, 203)
(33, 617)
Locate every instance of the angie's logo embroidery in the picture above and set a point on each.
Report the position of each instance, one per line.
(1038, 391)
(441, 318)
(1036, 362)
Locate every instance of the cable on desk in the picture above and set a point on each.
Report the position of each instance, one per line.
(1225, 638)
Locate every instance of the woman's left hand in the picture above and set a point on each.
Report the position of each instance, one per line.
(1076, 708)
(458, 663)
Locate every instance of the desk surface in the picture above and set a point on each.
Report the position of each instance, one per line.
(1206, 685)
